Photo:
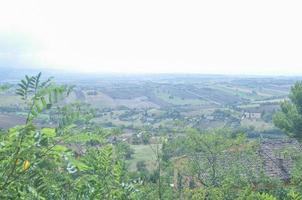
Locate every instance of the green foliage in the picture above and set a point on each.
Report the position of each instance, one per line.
(220, 165)
(74, 113)
(104, 179)
(124, 151)
(141, 166)
(294, 195)
(37, 155)
(4, 87)
(208, 153)
(289, 118)
(259, 196)
(145, 137)
(213, 193)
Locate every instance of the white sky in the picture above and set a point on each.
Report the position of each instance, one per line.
(139, 36)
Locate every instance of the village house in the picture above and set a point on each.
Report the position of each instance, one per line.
(251, 115)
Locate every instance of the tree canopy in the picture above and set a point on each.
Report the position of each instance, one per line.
(289, 118)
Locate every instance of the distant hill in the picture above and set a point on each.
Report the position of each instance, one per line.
(8, 73)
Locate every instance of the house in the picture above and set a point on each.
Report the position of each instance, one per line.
(251, 115)
(209, 117)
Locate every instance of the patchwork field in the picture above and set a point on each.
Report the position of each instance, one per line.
(10, 100)
(10, 120)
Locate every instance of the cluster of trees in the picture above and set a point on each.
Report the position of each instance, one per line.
(4, 87)
(41, 163)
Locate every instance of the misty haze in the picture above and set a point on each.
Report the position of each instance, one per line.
(143, 100)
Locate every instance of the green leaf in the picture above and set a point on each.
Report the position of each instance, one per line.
(23, 86)
(49, 132)
(44, 102)
(34, 113)
(20, 92)
(80, 165)
(38, 107)
(60, 148)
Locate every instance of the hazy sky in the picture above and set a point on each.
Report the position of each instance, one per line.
(133, 36)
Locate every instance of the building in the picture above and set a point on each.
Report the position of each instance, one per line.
(251, 115)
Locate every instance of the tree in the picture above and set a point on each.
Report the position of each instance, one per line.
(38, 163)
(156, 149)
(124, 150)
(208, 151)
(145, 137)
(30, 155)
(141, 166)
(104, 178)
(289, 119)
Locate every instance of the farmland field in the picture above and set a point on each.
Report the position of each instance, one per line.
(10, 120)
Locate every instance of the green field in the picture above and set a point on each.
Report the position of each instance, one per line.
(258, 125)
(179, 101)
(143, 153)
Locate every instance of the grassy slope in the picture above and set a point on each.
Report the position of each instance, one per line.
(142, 153)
